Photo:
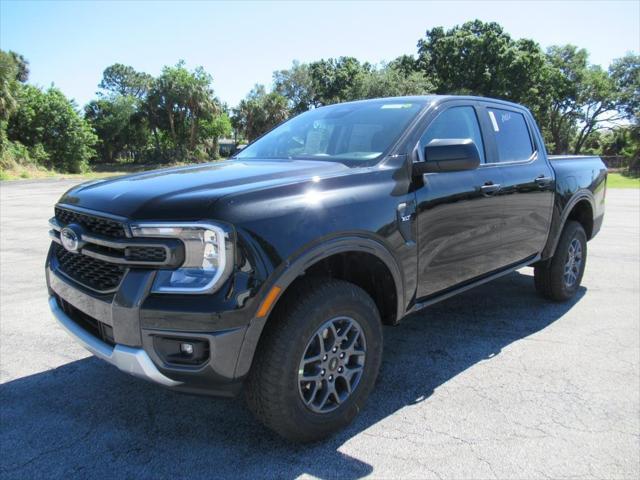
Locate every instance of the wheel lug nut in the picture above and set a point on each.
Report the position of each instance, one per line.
(322, 372)
(342, 355)
(340, 370)
(325, 357)
(331, 378)
(335, 349)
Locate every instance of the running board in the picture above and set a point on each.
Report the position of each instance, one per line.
(438, 297)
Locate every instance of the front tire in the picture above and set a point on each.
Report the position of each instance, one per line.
(559, 278)
(317, 362)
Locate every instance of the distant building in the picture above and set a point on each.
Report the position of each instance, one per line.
(226, 147)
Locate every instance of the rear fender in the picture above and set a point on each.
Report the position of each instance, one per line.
(559, 220)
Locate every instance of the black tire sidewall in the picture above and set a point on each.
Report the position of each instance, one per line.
(313, 316)
(572, 231)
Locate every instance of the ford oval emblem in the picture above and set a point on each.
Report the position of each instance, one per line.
(70, 238)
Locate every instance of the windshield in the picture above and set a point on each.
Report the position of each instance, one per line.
(352, 133)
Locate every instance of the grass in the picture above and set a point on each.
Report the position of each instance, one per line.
(20, 172)
(615, 179)
(618, 180)
(24, 173)
(36, 174)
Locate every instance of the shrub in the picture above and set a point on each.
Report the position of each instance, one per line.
(47, 123)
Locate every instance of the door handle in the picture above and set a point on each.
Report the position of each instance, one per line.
(543, 180)
(489, 188)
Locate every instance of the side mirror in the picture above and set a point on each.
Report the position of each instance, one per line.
(448, 155)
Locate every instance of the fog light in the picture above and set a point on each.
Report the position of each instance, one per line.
(182, 351)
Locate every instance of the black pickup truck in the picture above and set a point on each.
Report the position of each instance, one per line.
(274, 272)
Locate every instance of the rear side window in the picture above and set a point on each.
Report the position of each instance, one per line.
(512, 135)
(456, 122)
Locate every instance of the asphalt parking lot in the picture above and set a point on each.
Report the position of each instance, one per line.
(495, 383)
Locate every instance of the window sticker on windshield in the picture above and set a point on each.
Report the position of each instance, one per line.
(493, 121)
(396, 105)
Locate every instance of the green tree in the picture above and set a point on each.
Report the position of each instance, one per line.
(480, 58)
(23, 66)
(178, 102)
(121, 126)
(405, 65)
(338, 80)
(296, 85)
(599, 101)
(324, 82)
(583, 101)
(47, 121)
(13, 70)
(123, 80)
(259, 112)
(625, 72)
(392, 81)
(213, 129)
(120, 80)
(620, 141)
(568, 70)
(570, 98)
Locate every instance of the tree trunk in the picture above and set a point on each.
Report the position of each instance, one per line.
(192, 135)
(171, 123)
(582, 138)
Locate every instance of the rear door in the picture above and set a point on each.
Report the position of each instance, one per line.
(458, 213)
(527, 180)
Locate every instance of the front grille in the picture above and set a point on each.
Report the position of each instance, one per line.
(95, 327)
(106, 227)
(94, 224)
(145, 254)
(91, 272)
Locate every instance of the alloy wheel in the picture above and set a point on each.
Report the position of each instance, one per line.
(573, 264)
(332, 364)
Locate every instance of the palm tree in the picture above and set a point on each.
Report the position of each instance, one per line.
(8, 85)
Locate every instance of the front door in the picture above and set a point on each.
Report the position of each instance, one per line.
(458, 213)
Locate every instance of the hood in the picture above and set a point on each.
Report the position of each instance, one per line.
(187, 193)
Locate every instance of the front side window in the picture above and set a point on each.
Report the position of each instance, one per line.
(512, 135)
(456, 122)
(352, 133)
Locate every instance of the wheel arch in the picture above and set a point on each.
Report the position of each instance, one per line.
(581, 208)
(582, 212)
(313, 261)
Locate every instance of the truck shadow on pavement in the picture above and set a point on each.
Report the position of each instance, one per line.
(86, 419)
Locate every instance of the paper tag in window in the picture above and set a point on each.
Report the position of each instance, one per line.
(494, 122)
(396, 105)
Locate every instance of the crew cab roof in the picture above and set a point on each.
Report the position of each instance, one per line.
(434, 99)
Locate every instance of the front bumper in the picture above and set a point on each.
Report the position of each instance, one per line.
(134, 361)
(137, 321)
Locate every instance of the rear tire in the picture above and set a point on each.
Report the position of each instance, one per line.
(294, 348)
(559, 278)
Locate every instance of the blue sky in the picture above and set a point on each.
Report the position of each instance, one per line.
(241, 43)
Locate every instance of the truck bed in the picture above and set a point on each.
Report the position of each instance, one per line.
(578, 177)
(554, 158)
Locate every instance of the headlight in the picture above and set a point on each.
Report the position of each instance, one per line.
(208, 256)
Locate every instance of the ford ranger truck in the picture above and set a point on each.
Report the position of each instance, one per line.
(273, 273)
